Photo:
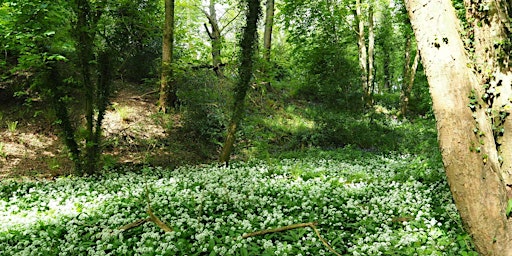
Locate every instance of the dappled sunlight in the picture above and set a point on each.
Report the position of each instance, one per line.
(289, 122)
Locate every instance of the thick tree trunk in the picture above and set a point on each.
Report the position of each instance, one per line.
(168, 96)
(491, 25)
(267, 36)
(248, 46)
(470, 158)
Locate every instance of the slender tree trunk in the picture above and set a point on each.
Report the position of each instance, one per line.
(361, 42)
(85, 26)
(248, 47)
(387, 71)
(408, 79)
(267, 36)
(371, 56)
(214, 32)
(468, 147)
(168, 98)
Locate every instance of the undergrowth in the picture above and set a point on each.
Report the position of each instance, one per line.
(365, 204)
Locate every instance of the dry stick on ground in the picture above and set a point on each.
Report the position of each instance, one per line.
(293, 226)
(143, 95)
(152, 217)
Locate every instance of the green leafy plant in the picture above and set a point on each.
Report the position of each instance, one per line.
(11, 126)
(3, 154)
(376, 213)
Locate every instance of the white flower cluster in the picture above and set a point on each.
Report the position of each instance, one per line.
(364, 205)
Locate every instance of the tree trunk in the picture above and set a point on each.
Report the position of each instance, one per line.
(491, 23)
(168, 98)
(214, 32)
(408, 79)
(371, 57)
(267, 36)
(363, 58)
(465, 136)
(248, 46)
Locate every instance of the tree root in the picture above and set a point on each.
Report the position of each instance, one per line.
(312, 225)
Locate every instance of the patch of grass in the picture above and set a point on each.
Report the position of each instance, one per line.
(363, 203)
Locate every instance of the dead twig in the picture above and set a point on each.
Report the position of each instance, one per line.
(312, 225)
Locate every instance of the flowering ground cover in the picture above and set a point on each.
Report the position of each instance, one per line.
(364, 204)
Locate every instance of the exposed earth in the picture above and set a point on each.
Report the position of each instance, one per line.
(135, 133)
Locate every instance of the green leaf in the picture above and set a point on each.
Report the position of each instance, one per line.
(509, 207)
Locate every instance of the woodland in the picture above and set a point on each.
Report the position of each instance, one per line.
(248, 127)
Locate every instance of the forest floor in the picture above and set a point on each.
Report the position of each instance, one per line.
(135, 133)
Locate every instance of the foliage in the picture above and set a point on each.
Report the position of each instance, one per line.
(203, 105)
(323, 51)
(365, 204)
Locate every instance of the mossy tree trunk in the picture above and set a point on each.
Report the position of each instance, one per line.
(247, 49)
(464, 91)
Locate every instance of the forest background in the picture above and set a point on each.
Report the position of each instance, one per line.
(93, 88)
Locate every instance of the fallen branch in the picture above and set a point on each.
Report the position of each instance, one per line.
(290, 227)
(275, 230)
(152, 217)
(134, 224)
(143, 95)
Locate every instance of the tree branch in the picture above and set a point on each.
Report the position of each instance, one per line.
(229, 22)
(290, 227)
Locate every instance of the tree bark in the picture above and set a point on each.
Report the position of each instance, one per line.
(491, 25)
(168, 97)
(361, 43)
(408, 77)
(465, 135)
(267, 36)
(371, 56)
(248, 47)
(214, 32)
(366, 52)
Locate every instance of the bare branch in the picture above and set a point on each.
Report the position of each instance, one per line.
(290, 227)
(229, 22)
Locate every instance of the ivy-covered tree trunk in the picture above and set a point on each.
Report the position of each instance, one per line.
(247, 49)
(96, 93)
(168, 98)
(463, 95)
(85, 33)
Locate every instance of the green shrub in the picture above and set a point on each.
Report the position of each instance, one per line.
(204, 104)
